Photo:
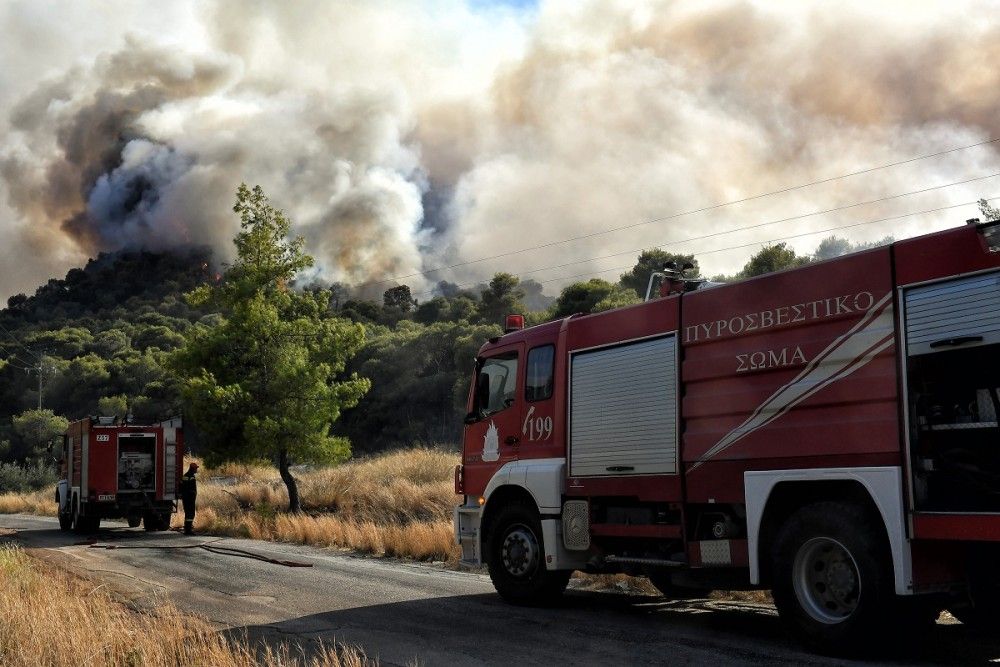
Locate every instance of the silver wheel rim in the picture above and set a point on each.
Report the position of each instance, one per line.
(826, 580)
(519, 551)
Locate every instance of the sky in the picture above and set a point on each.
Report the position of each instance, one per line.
(415, 142)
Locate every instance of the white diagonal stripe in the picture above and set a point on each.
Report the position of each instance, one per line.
(871, 335)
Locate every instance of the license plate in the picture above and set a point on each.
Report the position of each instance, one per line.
(106, 497)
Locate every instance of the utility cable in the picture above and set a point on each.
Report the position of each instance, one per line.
(733, 230)
(17, 342)
(680, 214)
(753, 243)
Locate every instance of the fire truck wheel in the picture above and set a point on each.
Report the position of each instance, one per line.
(65, 518)
(134, 521)
(87, 524)
(151, 521)
(516, 559)
(832, 578)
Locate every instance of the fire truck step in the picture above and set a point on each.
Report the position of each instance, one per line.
(655, 562)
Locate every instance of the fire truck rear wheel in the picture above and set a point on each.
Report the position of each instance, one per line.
(86, 524)
(134, 521)
(151, 521)
(65, 518)
(516, 558)
(832, 576)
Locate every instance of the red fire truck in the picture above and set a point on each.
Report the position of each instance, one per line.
(829, 432)
(116, 470)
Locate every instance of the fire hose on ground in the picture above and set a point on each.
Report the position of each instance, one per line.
(211, 547)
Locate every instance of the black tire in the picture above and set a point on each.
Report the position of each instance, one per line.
(65, 519)
(515, 554)
(86, 525)
(77, 521)
(153, 522)
(134, 521)
(833, 583)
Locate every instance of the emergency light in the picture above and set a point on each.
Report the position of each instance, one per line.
(513, 323)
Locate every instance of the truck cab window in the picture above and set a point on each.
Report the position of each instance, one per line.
(538, 384)
(496, 384)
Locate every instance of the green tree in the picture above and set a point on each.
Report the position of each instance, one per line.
(649, 261)
(534, 298)
(592, 296)
(989, 213)
(770, 259)
(113, 406)
(264, 381)
(36, 429)
(619, 297)
(416, 381)
(502, 297)
(834, 246)
(398, 298)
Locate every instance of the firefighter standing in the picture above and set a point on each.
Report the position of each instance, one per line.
(189, 493)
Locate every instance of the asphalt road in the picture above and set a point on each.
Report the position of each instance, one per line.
(408, 613)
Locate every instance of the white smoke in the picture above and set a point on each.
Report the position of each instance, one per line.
(403, 136)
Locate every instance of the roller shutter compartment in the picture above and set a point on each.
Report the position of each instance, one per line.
(623, 410)
(953, 314)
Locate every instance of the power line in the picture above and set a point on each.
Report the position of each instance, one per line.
(17, 342)
(755, 226)
(680, 214)
(775, 240)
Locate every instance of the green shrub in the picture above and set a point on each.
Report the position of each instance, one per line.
(18, 478)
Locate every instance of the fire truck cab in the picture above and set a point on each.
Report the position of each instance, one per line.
(829, 432)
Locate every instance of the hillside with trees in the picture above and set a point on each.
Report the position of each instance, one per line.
(158, 335)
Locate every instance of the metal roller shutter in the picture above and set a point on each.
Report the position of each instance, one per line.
(963, 312)
(623, 410)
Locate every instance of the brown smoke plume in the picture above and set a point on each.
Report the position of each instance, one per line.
(400, 137)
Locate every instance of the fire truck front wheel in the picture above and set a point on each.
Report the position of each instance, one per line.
(65, 518)
(516, 558)
(832, 576)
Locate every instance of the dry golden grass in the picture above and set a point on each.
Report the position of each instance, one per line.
(49, 617)
(396, 504)
(39, 502)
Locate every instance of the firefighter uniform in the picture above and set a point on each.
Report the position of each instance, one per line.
(189, 494)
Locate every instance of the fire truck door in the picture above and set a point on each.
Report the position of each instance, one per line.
(538, 413)
(494, 431)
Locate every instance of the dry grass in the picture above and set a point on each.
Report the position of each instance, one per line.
(49, 617)
(396, 504)
(40, 502)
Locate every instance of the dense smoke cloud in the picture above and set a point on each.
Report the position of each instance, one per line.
(401, 137)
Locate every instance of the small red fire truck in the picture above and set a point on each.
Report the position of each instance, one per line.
(117, 470)
(829, 432)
